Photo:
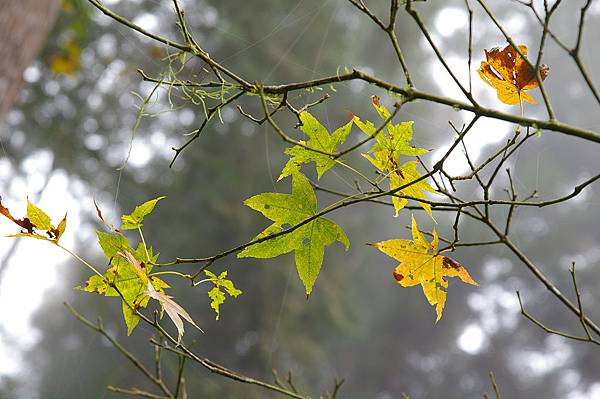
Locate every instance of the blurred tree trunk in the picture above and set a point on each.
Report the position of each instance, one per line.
(24, 27)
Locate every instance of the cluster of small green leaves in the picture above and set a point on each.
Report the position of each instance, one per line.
(215, 294)
(121, 278)
(130, 273)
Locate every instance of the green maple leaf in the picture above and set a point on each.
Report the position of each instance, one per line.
(95, 284)
(307, 241)
(320, 139)
(113, 243)
(135, 218)
(216, 295)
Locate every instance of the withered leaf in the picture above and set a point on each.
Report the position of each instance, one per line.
(24, 223)
(99, 212)
(36, 224)
(507, 72)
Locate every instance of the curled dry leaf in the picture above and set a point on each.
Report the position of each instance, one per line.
(507, 72)
(173, 309)
(109, 226)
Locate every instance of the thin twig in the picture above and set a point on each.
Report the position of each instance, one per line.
(98, 327)
(494, 385)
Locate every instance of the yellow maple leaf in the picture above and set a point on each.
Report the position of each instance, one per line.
(507, 72)
(421, 264)
(68, 61)
(391, 143)
(404, 175)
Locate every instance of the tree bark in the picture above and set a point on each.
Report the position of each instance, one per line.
(24, 28)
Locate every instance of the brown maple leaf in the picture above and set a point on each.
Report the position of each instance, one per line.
(509, 73)
(24, 223)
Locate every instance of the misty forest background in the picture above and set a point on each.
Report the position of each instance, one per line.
(69, 133)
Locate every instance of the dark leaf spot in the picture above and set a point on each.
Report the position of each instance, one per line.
(398, 276)
(447, 263)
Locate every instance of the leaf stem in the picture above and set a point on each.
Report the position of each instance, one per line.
(185, 276)
(144, 243)
(80, 259)
(204, 281)
(521, 109)
(358, 172)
